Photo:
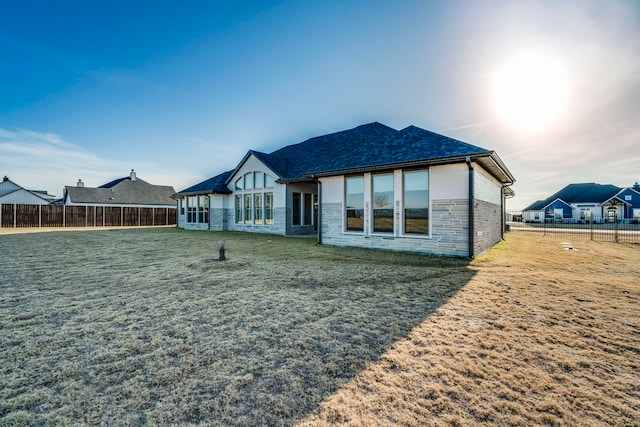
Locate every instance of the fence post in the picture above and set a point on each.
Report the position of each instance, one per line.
(39, 216)
(615, 227)
(15, 215)
(591, 229)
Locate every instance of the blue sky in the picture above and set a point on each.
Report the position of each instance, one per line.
(180, 91)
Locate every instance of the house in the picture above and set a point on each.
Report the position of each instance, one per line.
(371, 186)
(129, 191)
(12, 193)
(587, 203)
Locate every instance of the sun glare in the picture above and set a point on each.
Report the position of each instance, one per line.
(530, 92)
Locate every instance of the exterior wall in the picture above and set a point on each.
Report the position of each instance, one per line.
(487, 210)
(448, 218)
(487, 225)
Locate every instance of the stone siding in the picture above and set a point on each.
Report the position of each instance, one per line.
(449, 231)
(487, 223)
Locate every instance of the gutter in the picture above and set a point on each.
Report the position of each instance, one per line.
(471, 225)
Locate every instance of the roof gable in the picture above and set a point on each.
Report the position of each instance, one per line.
(7, 186)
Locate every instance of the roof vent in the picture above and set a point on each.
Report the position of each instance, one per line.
(132, 175)
(635, 186)
(6, 178)
(80, 183)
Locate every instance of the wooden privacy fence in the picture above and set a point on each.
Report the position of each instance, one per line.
(18, 215)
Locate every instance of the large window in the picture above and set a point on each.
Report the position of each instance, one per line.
(354, 189)
(257, 208)
(416, 202)
(192, 208)
(308, 209)
(238, 209)
(268, 208)
(383, 203)
(197, 209)
(203, 209)
(247, 208)
(252, 204)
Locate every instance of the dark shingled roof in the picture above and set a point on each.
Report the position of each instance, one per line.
(368, 146)
(217, 184)
(123, 191)
(578, 193)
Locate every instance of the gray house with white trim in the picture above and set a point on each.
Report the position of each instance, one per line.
(371, 186)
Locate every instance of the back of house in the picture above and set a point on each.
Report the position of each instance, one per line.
(371, 186)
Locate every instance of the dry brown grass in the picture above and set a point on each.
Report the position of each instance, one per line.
(542, 335)
(135, 327)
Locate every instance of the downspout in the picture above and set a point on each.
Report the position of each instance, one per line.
(319, 211)
(503, 207)
(503, 212)
(471, 192)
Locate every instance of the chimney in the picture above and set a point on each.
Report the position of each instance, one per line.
(635, 186)
(80, 183)
(6, 178)
(133, 175)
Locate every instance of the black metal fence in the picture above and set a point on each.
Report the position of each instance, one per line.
(19, 215)
(618, 231)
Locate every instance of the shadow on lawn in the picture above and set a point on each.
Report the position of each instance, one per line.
(309, 332)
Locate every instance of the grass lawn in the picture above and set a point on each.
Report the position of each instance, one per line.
(142, 327)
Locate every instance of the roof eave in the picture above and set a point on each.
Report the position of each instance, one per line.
(498, 169)
(181, 194)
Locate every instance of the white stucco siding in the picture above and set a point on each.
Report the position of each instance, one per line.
(332, 189)
(449, 182)
(486, 187)
(217, 201)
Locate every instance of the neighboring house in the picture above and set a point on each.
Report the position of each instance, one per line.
(587, 203)
(128, 192)
(371, 186)
(12, 193)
